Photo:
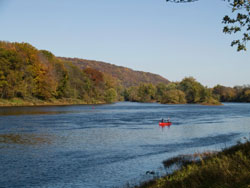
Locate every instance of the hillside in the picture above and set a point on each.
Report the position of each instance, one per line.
(126, 76)
(30, 74)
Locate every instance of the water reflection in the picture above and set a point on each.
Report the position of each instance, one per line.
(163, 127)
(12, 112)
(24, 139)
(45, 110)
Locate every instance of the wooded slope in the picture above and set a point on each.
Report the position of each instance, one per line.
(126, 76)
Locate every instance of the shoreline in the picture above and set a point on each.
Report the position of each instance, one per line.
(18, 102)
(227, 168)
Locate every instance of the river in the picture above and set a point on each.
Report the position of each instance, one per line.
(98, 146)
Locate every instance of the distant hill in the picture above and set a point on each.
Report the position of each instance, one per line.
(126, 76)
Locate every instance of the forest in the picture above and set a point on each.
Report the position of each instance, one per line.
(187, 91)
(126, 76)
(30, 74)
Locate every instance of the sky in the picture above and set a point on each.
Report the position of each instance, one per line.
(172, 40)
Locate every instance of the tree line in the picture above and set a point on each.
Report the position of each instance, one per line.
(28, 73)
(187, 91)
(232, 94)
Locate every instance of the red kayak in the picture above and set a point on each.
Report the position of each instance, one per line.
(165, 123)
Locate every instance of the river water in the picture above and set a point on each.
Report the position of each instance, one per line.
(94, 146)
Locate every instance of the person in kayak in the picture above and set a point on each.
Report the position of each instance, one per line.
(162, 120)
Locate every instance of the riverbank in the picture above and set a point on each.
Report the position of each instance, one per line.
(229, 168)
(37, 102)
(61, 102)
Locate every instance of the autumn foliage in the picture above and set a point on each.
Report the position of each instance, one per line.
(26, 72)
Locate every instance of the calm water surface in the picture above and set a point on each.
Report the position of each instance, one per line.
(108, 145)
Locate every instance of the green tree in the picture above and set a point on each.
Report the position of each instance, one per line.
(246, 95)
(173, 96)
(146, 92)
(192, 89)
(3, 84)
(208, 98)
(132, 94)
(239, 23)
(225, 94)
(160, 90)
(110, 95)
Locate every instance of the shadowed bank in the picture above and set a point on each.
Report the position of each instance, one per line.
(229, 168)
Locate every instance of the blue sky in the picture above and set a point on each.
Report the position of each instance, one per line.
(172, 40)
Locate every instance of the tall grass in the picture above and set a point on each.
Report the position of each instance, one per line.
(227, 169)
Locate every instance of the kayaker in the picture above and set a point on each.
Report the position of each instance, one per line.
(168, 120)
(162, 120)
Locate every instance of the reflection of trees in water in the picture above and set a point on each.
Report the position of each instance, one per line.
(22, 111)
(28, 139)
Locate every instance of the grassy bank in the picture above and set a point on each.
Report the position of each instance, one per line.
(58, 102)
(37, 102)
(227, 169)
